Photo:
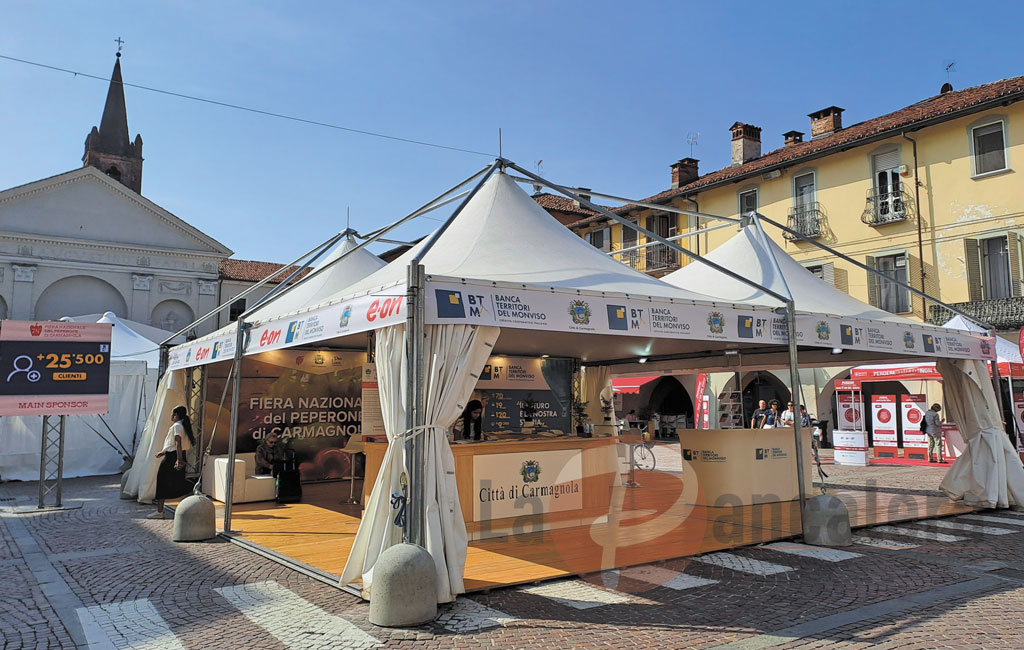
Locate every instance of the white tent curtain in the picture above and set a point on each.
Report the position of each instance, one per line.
(140, 483)
(988, 474)
(597, 385)
(454, 356)
(85, 454)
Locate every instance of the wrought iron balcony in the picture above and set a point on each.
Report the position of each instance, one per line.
(885, 206)
(808, 220)
(660, 256)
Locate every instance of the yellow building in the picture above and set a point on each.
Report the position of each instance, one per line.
(927, 194)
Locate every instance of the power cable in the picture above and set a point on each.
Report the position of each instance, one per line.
(250, 110)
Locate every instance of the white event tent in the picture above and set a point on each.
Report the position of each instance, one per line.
(93, 444)
(344, 265)
(503, 266)
(989, 472)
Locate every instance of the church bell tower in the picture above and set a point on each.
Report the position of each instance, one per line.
(108, 148)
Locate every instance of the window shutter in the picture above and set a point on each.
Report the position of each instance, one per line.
(828, 273)
(972, 254)
(1013, 246)
(873, 298)
(884, 161)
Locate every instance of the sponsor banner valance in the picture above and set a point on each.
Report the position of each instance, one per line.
(570, 312)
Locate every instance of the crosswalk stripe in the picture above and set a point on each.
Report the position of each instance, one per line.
(743, 564)
(576, 594)
(864, 540)
(136, 622)
(817, 552)
(292, 620)
(969, 528)
(660, 576)
(920, 534)
(467, 615)
(996, 520)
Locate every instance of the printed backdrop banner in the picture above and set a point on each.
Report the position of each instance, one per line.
(883, 420)
(914, 441)
(312, 399)
(851, 412)
(506, 383)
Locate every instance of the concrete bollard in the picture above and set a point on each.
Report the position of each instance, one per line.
(195, 519)
(827, 522)
(404, 588)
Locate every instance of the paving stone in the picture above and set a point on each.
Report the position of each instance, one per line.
(969, 528)
(576, 594)
(920, 534)
(1017, 520)
(824, 554)
(467, 615)
(743, 564)
(865, 540)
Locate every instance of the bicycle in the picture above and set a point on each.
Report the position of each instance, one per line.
(643, 453)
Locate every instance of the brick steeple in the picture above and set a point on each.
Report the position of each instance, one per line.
(108, 148)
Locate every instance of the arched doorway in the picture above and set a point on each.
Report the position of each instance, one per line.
(763, 386)
(172, 315)
(78, 295)
(672, 402)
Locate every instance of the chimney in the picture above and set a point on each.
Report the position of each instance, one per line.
(946, 88)
(684, 172)
(746, 142)
(826, 121)
(793, 137)
(583, 193)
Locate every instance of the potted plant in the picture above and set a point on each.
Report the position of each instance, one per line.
(606, 409)
(579, 416)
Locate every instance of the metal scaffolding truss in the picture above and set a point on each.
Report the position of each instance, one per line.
(51, 459)
(195, 391)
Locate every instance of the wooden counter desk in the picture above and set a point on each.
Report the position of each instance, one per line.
(527, 485)
(745, 466)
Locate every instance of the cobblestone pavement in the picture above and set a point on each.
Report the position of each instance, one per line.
(104, 576)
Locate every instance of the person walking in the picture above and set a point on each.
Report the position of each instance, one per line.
(933, 427)
(170, 477)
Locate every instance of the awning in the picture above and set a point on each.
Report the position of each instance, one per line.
(630, 385)
(916, 371)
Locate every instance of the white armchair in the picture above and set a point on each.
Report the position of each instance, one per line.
(248, 485)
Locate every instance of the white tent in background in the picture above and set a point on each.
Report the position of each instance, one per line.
(989, 473)
(147, 332)
(133, 376)
(340, 268)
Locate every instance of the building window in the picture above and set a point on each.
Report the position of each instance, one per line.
(748, 202)
(659, 255)
(826, 272)
(803, 191)
(600, 239)
(883, 290)
(888, 190)
(989, 148)
(236, 309)
(993, 267)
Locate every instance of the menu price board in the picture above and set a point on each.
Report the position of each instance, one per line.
(54, 367)
(509, 385)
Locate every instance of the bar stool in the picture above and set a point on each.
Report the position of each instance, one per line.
(352, 447)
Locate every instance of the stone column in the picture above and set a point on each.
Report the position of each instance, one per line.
(207, 302)
(140, 298)
(23, 306)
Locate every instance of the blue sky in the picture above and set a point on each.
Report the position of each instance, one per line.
(605, 93)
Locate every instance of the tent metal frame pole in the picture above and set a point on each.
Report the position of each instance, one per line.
(415, 529)
(685, 235)
(427, 207)
(637, 204)
(794, 378)
(233, 431)
(800, 236)
(647, 233)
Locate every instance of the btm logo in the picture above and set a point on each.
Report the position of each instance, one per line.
(622, 318)
(749, 327)
(450, 304)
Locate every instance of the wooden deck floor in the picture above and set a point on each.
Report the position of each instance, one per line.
(645, 524)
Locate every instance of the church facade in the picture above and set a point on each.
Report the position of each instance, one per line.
(87, 241)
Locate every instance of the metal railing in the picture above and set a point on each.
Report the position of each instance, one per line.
(886, 206)
(660, 257)
(807, 219)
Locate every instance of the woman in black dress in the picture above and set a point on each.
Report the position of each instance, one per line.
(170, 478)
